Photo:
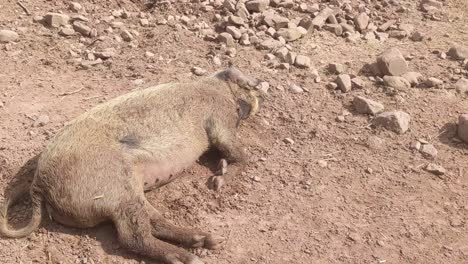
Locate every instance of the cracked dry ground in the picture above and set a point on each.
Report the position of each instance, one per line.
(343, 192)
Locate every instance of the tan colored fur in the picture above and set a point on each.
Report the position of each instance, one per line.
(97, 167)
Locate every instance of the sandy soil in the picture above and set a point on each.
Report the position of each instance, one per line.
(368, 200)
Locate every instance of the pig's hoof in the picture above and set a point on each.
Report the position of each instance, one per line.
(190, 260)
(222, 167)
(217, 182)
(208, 241)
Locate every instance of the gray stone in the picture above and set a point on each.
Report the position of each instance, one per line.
(8, 35)
(347, 28)
(414, 78)
(257, 5)
(56, 20)
(428, 151)
(396, 82)
(126, 35)
(336, 68)
(357, 83)
(344, 82)
(235, 33)
(235, 20)
(274, 20)
(417, 36)
(392, 62)
(334, 28)
(302, 61)
(385, 26)
(295, 88)
(82, 28)
(321, 17)
(361, 21)
(396, 121)
(227, 39)
(199, 71)
(435, 169)
(433, 82)
(290, 34)
(462, 130)
(461, 86)
(458, 52)
(67, 32)
(269, 44)
(105, 54)
(367, 106)
(291, 57)
(75, 7)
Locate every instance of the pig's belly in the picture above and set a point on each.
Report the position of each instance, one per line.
(154, 174)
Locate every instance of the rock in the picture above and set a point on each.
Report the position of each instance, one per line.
(392, 62)
(290, 34)
(291, 57)
(321, 17)
(227, 39)
(396, 121)
(336, 68)
(263, 87)
(462, 130)
(144, 22)
(295, 88)
(274, 20)
(332, 86)
(396, 82)
(235, 20)
(306, 23)
(149, 54)
(281, 53)
(288, 141)
(269, 44)
(458, 52)
(105, 54)
(344, 82)
(334, 28)
(56, 20)
(414, 78)
(385, 26)
(82, 28)
(461, 86)
(367, 106)
(67, 32)
(302, 61)
(198, 71)
(347, 28)
(417, 36)
(75, 7)
(433, 82)
(257, 5)
(357, 83)
(8, 36)
(42, 120)
(361, 21)
(126, 35)
(235, 33)
(428, 151)
(435, 169)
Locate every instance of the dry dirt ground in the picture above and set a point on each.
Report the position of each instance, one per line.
(368, 200)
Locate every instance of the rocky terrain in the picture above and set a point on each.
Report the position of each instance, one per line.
(357, 156)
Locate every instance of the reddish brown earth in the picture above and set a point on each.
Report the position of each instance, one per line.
(373, 202)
